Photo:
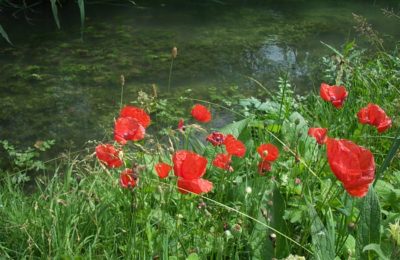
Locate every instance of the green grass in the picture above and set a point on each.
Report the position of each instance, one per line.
(79, 209)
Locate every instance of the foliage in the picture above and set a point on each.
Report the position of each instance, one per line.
(298, 208)
(19, 164)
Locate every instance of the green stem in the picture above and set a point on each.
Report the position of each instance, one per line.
(170, 74)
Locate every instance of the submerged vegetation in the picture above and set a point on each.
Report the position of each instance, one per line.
(283, 175)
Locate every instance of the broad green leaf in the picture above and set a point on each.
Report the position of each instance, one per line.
(54, 9)
(369, 224)
(377, 249)
(277, 222)
(322, 239)
(235, 128)
(5, 35)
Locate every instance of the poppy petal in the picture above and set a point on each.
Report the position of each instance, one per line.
(163, 169)
(263, 167)
(127, 128)
(181, 125)
(189, 165)
(201, 113)
(374, 115)
(197, 186)
(234, 146)
(334, 94)
(127, 179)
(216, 138)
(320, 134)
(223, 161)
(353, 165)
(136, 113)
(268, 152)
(108, 155)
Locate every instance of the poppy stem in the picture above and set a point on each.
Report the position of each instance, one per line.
(170, 74)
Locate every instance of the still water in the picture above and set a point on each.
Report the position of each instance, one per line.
(53, 85)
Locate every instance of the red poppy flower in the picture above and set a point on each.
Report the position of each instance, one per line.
(223, 161)
(136, 113)
(181, 125)
(353, 165)
(108, 155)
(268, 152)
(163, 169)
(197, 186)
(189, 165)
(127, 128)
(376, 116)
(234, 146)
(128, 178)
(334, 94)
(201, 113)
(320, 134)
(263, 167)
(216, 138)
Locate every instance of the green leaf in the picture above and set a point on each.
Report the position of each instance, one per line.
(54, 9)
(81, 4)
(333, 49)
(323, 240)
(235, 128)
(377, 249)
(389, 157)
(369, 224)
(193, 256)
(277, 222)
(5, 35)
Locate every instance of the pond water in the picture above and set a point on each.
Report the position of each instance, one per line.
(53, 85)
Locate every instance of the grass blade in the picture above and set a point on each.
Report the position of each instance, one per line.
(5, 35)
(54, 9)
(81, 4)
(389, 156)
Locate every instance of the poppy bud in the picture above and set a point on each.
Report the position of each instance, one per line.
(272, 237)
(154, 87)
(394, 230)
(297, 158)
(297, 121)
(237, 228)
(248, 190)
(297, 181)
(226, 227)
(228, 233)
(174, 52)
(351, 226)
(122, 78)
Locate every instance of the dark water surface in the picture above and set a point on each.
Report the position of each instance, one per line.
(53, 85)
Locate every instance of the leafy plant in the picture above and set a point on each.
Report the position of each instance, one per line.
(21, 163)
